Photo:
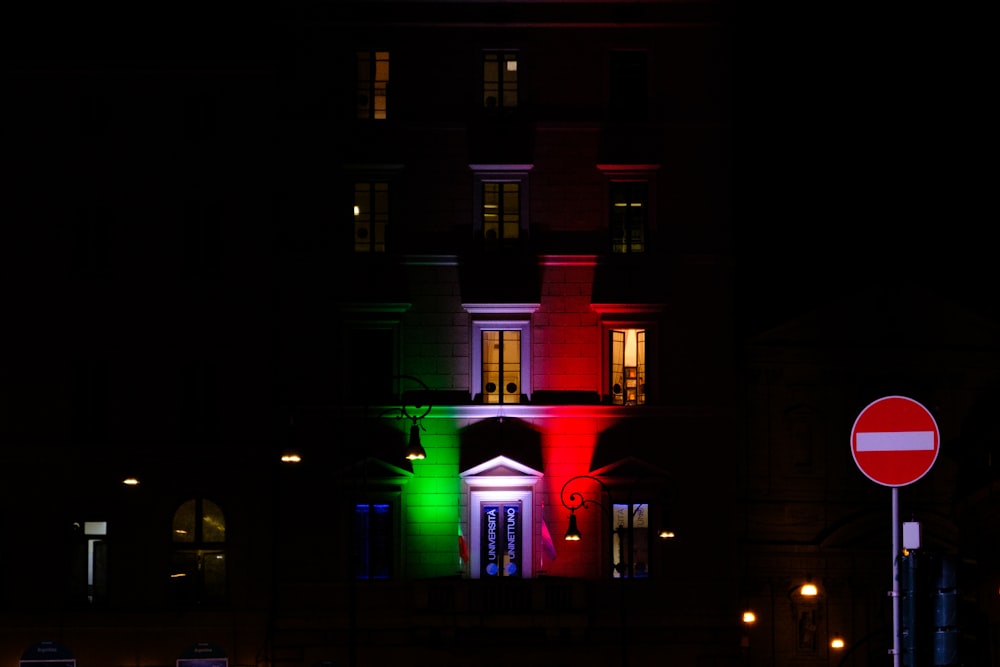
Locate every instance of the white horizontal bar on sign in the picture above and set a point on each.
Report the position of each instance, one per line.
(896, 441)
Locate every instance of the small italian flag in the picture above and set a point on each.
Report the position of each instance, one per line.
(463, 547)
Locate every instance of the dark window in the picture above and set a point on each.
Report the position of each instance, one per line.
(500, 80)
(200, 117)
(198, 574)
(199, 402)
(92, 241)
(373, 543)
(202, 229)
(627, 87)
(370, 365)
(371, 216)
(373, 84)
(91, 402)
(627, 218)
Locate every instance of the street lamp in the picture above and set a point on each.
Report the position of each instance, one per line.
(415, 411)
(627, 517)
(622, 533)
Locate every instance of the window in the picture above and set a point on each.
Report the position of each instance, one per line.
(501, 360)
(93, 232)
(90, 562)
(198, 415)
(199, 553)
(501, 211)
(373, 543)
(501, 351)
(500, 80)
(202, 237)
(92, 384)
(371, 216)
(630, 542)
(627, 357)
(628, 216)
(501, 372)
(373, 84)
(627, 86)
(501, 203)
(368, 352)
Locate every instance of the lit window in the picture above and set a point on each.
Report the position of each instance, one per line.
(371, 216)
(373, 544)
(629, 205)
(373, 84)
(627, 372)
(630, 542)
(90, 562)
(501, 366)
(198, 574)
(501, 359)
(500, 199)
(501, 211)
(499, 80)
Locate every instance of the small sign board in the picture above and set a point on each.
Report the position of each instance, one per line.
(203, 654)
(47, 654)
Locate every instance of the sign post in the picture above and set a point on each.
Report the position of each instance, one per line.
(895, 441)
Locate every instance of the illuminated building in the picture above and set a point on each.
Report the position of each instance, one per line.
(503, 229)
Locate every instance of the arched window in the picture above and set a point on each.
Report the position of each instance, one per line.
(199, 553)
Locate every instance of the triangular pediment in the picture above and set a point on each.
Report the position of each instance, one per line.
(630, 467)
(501, 466)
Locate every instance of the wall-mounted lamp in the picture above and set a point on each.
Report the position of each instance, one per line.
(808, 590)
(414, 450)
(749, 618)
(572, 532)
(837, 642)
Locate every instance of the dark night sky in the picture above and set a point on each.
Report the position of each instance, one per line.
(856, 156)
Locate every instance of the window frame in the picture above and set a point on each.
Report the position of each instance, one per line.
(500, 173)
(370, 174)
(518, 318)
(630, 173)
(625, 103)
(355, 321)
(502, 58)
(362, 571)
(200, 593)
(371, 89)
(615, 317)
(90, 567)
(523, 327)
(630, 529)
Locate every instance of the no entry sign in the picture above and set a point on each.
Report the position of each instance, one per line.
(895, 441)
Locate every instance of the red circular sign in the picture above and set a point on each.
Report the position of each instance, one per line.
(895, 441)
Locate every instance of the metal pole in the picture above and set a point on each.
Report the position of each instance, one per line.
(895, 577)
